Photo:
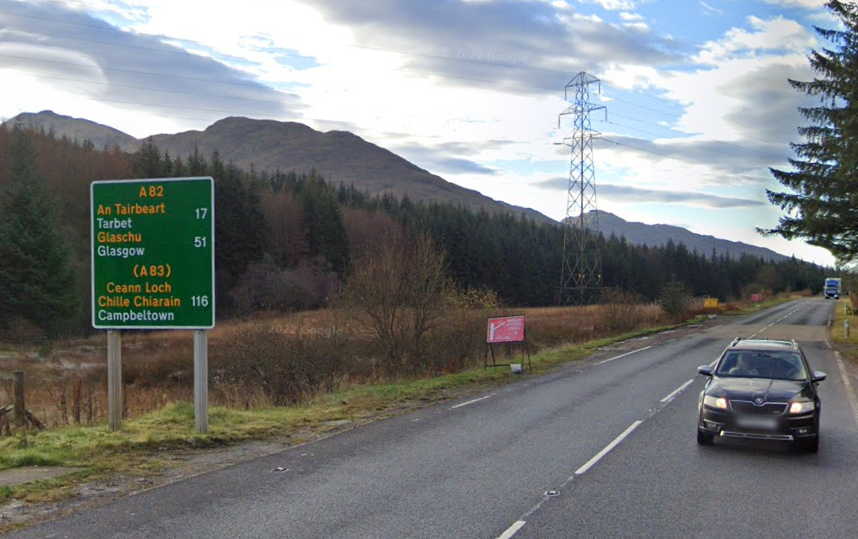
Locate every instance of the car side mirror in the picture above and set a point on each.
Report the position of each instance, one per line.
(705, 370)
(819, 376)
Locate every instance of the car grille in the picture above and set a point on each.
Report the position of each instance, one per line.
(767, 408)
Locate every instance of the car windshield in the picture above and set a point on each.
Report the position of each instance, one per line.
(762, 364)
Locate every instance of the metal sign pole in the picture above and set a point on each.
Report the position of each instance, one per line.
(114, 379)
(201, 380)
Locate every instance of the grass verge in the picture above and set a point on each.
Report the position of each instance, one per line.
(847, 345)
(141, 447)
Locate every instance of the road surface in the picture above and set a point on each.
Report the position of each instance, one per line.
(603, 448)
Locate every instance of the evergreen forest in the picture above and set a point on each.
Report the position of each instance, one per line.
(285, 240)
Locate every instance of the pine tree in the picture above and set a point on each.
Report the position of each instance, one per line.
(323, 223)
(37, 282)
(822, 201)
(241, 232)
(147, 161)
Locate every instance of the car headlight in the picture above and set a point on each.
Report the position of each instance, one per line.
(801, 407)
(715, 402)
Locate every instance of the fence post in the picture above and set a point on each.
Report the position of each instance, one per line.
(18, 389)
(846, 328)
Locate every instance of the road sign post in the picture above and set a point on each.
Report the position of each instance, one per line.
(114, 379)
(153, 267)
(201, 381)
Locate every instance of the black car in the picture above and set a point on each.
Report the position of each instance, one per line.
(761, 390)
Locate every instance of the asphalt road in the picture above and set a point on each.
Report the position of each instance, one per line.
(603, 448)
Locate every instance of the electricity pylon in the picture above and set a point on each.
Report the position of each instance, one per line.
(581, 273)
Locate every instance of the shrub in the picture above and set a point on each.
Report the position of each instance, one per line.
(621, 311)
(401, 289)
(266, 287)
(288, 364)
(675, 300)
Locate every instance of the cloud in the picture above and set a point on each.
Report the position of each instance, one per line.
(622, 193)
(74, 53)
(611, 5)
(739, 91)
(526, 47)
(449, 157)
(726, 164)
(809, 4)
(777, 34)
(709, 10)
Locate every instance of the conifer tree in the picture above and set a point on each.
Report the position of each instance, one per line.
(323, 223)
(241, 232)
(148, 163)
(37, 282)
(822, 201)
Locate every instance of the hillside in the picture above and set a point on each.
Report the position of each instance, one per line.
(339, 156)
(79, 129)
(343, 157)
(658, 235)
(268, 145)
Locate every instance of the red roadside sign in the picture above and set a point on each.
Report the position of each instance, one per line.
(756, 298)
(505, 329)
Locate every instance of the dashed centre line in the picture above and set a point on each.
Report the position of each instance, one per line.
(512, 530)
(778, 321)
(624, 355)
(677, 391)
(592, 462)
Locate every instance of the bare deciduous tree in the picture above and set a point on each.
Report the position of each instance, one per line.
(402, 288)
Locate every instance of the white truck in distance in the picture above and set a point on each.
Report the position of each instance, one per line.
(832, 287)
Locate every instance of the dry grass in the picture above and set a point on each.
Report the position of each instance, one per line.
(67, 384)
(553, 326)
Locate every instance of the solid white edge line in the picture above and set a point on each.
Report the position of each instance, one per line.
(678, 390)
(512, 530)
(470, 402)
(848, 385)
(592, 462)
(624, 355)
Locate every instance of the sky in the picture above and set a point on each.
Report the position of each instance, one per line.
(697, 101)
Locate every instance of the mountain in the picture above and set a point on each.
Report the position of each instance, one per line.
(77, 128)
(658, 235)
(339, 156)
(343, 157)
(269, 145)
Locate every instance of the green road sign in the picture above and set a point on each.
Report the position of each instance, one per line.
(153, 254)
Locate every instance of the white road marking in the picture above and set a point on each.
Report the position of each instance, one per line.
(677, 391)
(592, 462)
(624, 355)
(512, 530)
(470, 402)
(792, 312)
(849, 393)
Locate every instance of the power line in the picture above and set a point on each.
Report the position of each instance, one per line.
(671, 157)
(149, 89)
(702, 148)
(135, 72)
(109, 27)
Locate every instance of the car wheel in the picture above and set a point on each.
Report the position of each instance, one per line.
(703, 438)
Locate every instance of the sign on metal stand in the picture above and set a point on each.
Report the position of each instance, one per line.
(509, 330)
(153, 268)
